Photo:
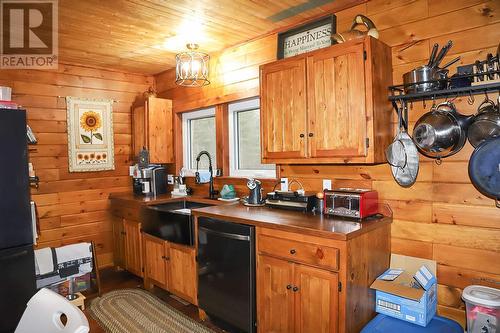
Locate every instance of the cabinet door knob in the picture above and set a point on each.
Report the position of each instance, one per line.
(311, 135)
(292, 251)
(289, 286)
(302, 135)
(166, 258)
(295, 289)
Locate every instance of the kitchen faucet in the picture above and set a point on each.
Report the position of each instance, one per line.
(211, 192)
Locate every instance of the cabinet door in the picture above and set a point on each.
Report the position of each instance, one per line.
(336, 102)
(155, 260)
(283, 109)
(275, 299)
(118, 242)
(133, 248)
(182, 272)
(316, 300)
(139, 129)
(160, 134)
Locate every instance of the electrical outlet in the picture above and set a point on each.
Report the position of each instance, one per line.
(327, 184)
(284, 184)
(170, 179)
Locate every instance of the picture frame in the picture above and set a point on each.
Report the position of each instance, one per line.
(308, 37)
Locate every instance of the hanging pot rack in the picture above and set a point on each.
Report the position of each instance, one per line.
(398, 96)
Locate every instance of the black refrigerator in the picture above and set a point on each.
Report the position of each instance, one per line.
(17, 266)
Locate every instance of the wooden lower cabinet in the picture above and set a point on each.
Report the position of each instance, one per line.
(308, 283)
(316, 300)
(127, 245)
(155, 262)
(171, 267)
(133, 248)
(275, 299)
(182, 272)
(295, 297)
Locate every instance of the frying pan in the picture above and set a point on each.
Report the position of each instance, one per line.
(402, 155)
(484, 169)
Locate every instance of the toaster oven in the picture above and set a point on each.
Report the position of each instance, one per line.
(350, 202)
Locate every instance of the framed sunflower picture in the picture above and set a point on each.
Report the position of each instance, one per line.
(90, 134)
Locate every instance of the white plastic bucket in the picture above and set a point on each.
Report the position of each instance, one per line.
(483, 309)
(5, 93)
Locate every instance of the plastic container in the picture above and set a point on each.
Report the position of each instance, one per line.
(5, 93)
(483, 309)
(385, 324)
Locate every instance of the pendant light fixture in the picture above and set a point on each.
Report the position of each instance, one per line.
(192, 67)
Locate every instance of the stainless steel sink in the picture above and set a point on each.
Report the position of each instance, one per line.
(171, 221)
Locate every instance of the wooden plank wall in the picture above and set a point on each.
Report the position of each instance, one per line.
(442, 217)
(73, 207)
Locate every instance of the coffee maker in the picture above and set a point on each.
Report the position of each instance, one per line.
(149, 180)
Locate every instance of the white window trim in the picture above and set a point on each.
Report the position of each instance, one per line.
(186, 139)
(246, 105)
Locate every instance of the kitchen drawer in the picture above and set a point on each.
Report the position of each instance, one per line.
(308, 253)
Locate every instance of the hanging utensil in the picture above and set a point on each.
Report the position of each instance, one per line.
(433, 54)
(442, 54)
(484, 171)
(448, 64)
(402, 154)
(485, 124)
(441, 132)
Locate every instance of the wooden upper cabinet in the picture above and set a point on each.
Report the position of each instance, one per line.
(283, 109)
(153, 129)
(341, 115)
(316, 300)
(336, 102)
(275, 297)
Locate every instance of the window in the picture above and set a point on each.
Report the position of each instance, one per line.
(198, 133)
(244, 141)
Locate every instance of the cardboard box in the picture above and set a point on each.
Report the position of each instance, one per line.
(406, 292)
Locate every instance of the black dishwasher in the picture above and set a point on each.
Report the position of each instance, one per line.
(226, 273)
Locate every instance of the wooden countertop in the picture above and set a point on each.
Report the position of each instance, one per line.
(130, 198)
(304, 223)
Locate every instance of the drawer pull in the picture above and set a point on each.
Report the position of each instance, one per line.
(292, 251)
(295, 289)
(289, 287)
(319, 253)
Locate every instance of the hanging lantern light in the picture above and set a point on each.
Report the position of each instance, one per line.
(192, 67)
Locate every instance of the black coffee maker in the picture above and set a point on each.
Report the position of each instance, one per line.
(255, 194)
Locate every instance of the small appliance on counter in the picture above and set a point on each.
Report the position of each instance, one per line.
(255, 194)
(351, 202)
(150, 180)
(291, 200)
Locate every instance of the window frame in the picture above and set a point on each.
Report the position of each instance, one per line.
(186, 137)
(233, 109)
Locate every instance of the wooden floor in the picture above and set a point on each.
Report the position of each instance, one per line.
(112, 279)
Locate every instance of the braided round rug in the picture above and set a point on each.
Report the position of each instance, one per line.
(138, 311)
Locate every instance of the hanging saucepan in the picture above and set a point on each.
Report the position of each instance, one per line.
(485, 124)
(484, 168)
(402, 154)
(441, 132)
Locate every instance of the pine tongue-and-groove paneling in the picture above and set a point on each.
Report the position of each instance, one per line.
(442, 217)
(74, 207)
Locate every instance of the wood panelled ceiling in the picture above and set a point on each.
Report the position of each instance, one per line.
(143, 36)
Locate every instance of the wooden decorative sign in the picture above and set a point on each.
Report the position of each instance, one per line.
(306, 38)
(90, 135)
